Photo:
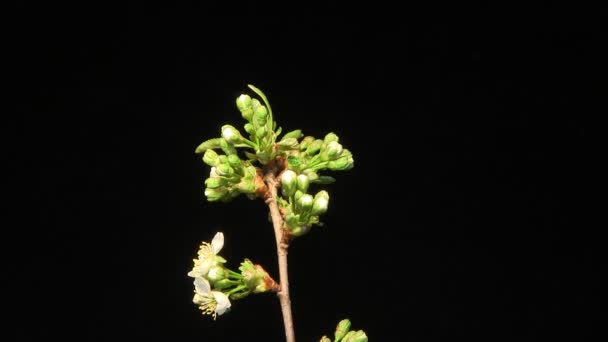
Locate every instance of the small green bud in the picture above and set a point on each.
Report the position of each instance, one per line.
(334, 149)
(306, 142)
(292, 221)
(215, 194)
(314, 147)
(312, 176)
(255, 104)
(300, 230)
(243, 102)
(234, 161)
(320, 203)
(231, 134)
(330, 137)
(303, 182)
(261, 112)
(297, 195)
(288, 183)
(355, 336)
(325, 339)
(223, 159)
(342, 328)
(345, 162)
(288, 144)
(210, 158)
(214, 182)
(248, 128)
(305, 202)
(246, 185)
(260, 132)
(224, 170)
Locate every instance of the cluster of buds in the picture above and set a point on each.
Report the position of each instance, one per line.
(229, 175)
(260, 126)
(344, 334)
(215, 284)
(300, 209)
(313, 155)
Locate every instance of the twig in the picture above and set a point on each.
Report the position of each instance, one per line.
(282, 245)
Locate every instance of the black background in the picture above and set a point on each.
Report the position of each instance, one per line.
(464, 217)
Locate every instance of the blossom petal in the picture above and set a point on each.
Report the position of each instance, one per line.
(218, 242)
(201, 285)
(223, 303)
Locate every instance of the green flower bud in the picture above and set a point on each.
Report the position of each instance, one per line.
(215, 194)
(234, 161)
(355, 336)
(303, 182)
(312, 176)
(260, 115)
(306, 142)
(231, 134)
(292, 221)
(345, 162)
(333, 149)
(215, 182)
(297, 195)
(256, 278)
(320, 203)
(210, 158)
(300, 230)
(246, 186)
(255, 104)
(227, 146)
(288, 183)
(288, 144)
(223, 159)
(305, 202)
(248, 128)
(216, 273)
(260, 132)
(330, 137)
(314, 147)
(325, 339)
(224, 170)
(342, 328)
(243, 102)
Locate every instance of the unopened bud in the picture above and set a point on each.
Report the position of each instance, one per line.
(214, 182)
(333, 149)
(355, 336)
(210, 158)
(303, 182)
(234, 161)
(330, 137)
(320, 203)
(305, 202)
(288, 183)
(215, 194)
(231, 134)
(342, 328)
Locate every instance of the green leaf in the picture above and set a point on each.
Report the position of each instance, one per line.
(208, 145)
(297, 134)
(324, 180)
